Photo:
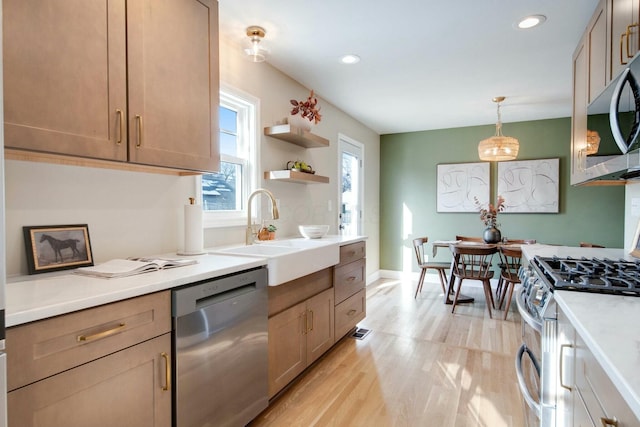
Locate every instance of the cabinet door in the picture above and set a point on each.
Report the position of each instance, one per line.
(320, 324)
(625, 33)
(65, 77)
(579, 114)
(287, 346)
(126, 388)
(173, 83)
(597, 41)
(565, 371)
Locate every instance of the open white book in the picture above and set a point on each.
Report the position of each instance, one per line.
(131, 266)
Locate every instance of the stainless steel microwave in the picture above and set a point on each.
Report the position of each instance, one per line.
(613, 128)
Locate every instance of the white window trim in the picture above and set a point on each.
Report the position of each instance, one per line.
(251, 105)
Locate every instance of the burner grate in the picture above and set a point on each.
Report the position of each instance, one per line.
(620, 277)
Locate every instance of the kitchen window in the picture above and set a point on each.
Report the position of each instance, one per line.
(224, 194)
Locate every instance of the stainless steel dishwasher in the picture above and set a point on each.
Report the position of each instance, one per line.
(220, 350)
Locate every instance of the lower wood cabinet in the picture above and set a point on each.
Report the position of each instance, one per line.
(104, 366)
(349, 280)
(298, 336)
(127, 388)
(349, 313)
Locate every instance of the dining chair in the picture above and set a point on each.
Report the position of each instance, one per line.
(501, 266)
(473, 263)
(510, 261)
(589, 245)
(419, 246)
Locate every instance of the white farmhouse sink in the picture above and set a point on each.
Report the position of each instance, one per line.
(290, 259)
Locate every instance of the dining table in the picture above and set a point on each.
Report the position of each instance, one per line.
(451, 280)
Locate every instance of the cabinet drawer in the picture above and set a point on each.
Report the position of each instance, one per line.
(46, 347)
(349, 313)
(352, 252)
(600, 395)
(348, 279)
(126, 388)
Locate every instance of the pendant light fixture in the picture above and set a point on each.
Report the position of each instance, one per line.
(255, 52)
(499, 147)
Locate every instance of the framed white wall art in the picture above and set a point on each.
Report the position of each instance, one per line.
(530, 186)
(459, 184)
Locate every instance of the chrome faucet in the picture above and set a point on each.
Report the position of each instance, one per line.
(274, 212)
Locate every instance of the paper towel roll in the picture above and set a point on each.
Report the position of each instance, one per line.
(193, 233)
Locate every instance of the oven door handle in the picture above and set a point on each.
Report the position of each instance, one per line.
(533, 404)
(524, 313)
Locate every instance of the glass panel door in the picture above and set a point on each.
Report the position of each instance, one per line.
(351, 186)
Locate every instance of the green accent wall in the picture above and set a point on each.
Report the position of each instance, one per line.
(408, 191)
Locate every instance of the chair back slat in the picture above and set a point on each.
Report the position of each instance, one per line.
(473, 262)
(418, 247)
(510, 261)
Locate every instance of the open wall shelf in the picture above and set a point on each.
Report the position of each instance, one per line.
(297, 136)
(294, 176)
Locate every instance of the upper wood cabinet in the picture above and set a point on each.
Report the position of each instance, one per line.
(596, 39)
(624, 18)
(133, 80)
(579, 114)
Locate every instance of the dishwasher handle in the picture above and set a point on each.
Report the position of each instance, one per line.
(231, 293)
(191, 298)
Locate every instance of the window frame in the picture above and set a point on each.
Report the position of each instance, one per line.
(248, 109)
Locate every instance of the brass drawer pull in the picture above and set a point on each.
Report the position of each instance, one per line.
(352, 312)
(351, 278)
(103, 334)
(120, 121)
(609, 422)
(167, 371)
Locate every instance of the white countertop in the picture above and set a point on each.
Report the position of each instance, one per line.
(608, 324)
(31, 298)
(46, 295)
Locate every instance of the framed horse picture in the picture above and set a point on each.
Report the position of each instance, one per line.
(57, 247)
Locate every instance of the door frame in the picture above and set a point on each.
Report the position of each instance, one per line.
(342, 140)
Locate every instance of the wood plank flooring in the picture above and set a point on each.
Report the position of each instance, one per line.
(419, 366)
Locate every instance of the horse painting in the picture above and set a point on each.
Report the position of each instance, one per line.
(58, 245)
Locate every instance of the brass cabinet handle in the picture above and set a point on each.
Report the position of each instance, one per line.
(311, 329)
(167, 371)
(140, 131)
(629, 54)
(119, 113)
(351, 278)
(622, 37)
(352, 312)
(609, 422)
(561, 373)
(304, 323)
(103, 334)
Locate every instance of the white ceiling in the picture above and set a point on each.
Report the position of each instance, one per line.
(425, 64)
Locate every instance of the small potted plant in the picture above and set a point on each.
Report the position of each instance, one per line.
(272, 231)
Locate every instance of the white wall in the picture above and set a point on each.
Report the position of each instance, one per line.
(632, 213)
(135, 213)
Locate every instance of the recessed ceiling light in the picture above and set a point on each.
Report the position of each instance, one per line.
(350, 59)
(531, 21)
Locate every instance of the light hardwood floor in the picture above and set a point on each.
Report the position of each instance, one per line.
(419, 366)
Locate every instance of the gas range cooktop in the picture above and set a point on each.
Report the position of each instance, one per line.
(619, 277)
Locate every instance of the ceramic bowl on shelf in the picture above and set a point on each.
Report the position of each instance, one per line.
(313, 231)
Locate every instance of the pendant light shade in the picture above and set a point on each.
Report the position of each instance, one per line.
(498, 148)
(255, 52)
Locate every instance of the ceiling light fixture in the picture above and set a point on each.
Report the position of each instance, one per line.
(499, 147)
(350, 59)
(255, 52)
(531, 21)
